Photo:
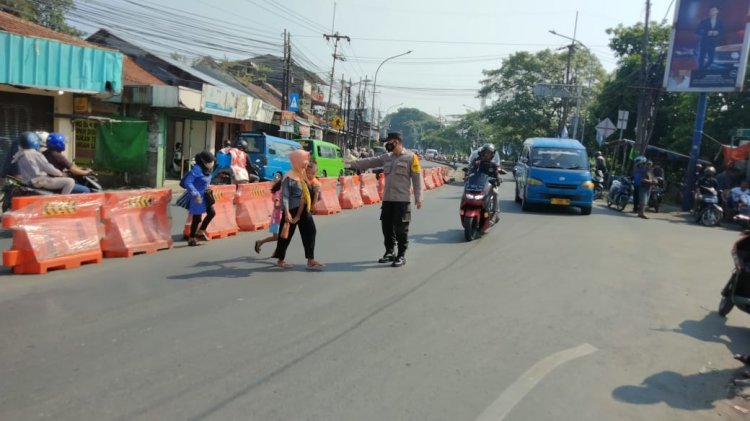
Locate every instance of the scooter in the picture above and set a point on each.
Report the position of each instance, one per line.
(619, 193)
(89, 181)
(736, 293)
(14, 187)
(657, 194)
(708, 212)
(598, 180)
(479, 205)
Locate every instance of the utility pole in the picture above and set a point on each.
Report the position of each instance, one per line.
(341, 108)
(285, 84)
(566, 100)
(348, 113)
(643, 103)
(336, 37)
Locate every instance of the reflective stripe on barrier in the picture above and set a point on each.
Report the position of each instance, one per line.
(350, 198)
(329, 202)
(369, 189)
(225, 222)
(136, 221)
(252, 206)
(54, 232)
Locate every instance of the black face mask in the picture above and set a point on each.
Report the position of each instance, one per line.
(390, 146)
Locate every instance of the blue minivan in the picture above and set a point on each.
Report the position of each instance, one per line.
(554, 172)
(270, 153)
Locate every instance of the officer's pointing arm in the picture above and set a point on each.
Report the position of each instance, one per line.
(365, 163)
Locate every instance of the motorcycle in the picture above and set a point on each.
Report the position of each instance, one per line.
(736, 293)
(657, 194)
(478, 212)
(598, 180)
(619, 193)
(708, 212)
(14, 187)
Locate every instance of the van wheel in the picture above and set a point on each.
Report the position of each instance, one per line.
(518, 198)
(325, 174)
(525, 205)
(586, 210)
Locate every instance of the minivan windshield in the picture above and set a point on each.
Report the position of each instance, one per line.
(254, 144)
(560, 158)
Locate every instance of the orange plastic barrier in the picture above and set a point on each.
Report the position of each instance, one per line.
(437, 178)
(136, 221)
(54, 232)
(429, 182)
(225, 222)
(350, 198)
(252, 202)
(381, 185)
(369, 189)
(329, 201)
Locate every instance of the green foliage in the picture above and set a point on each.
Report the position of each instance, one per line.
(413, 124)
(48, 13)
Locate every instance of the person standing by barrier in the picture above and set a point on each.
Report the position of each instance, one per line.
(197, 183)
(402, 173)
(296, 205)
(276, 216)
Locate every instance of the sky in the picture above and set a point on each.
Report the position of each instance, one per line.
(451, 42)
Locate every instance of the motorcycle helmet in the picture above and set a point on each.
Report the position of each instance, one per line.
(487, 147)
(241, 144)
(28, 140)
(597, 154)
(709, 171)
(639, 160)
(42, 138)
(56, 142)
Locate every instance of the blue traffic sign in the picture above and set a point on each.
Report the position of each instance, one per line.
(293, 102)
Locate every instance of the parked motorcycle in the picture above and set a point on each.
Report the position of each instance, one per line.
(737, 290)
(657, 194)
(478, 205)
(620, 192)
(708, 212)
(598, 180)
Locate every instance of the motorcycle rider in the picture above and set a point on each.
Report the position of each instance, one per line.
(708, 180)
(243, 171)
(55, 156)
(486, 165)
(35, 170)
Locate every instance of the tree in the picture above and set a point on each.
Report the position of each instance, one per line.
(413, 124)
(48, 13)
(516, 113)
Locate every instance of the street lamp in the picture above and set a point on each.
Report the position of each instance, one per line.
(374, 85)
(567, 76)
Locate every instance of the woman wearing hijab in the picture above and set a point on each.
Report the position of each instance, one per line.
(296, 205)
(196, 183)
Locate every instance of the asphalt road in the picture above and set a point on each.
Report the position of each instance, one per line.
(551, 316)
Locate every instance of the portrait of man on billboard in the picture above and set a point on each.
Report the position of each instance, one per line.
(709, 46)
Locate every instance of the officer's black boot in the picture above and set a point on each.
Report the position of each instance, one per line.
(400, 261)
(387, 257)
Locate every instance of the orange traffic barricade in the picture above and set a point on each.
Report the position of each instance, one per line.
(252, 202)
(328, 203)
(369, 189)
(429, 182)
(437, 178)
(381, 184)
(136, 221)
(349, 197)
(54, 232)
(225, 222)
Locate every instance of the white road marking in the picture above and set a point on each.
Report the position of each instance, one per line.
(523, 385)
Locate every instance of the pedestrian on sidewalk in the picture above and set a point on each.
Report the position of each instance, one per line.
(197, 183)
(296, 205)
(647, 181)
(402, 173)
(276, 216)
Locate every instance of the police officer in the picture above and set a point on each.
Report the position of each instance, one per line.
(402, 172)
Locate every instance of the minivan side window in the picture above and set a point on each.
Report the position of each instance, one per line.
(326, 152)
(272, 147)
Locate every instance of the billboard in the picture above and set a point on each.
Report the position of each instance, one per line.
(709, 46)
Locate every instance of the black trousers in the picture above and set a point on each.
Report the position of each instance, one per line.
(636, 198)
(210, 213)
(395, 218)
(307, 231)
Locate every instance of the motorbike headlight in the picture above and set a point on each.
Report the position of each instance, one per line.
(534, 182)
(587, 185)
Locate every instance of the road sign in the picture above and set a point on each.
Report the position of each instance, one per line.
(337, 123)
(293, 102)
(605, 127)
(622, 119)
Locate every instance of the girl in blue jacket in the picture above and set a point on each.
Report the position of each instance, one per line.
(196, 183)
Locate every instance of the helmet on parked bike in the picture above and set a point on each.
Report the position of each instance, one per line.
(709, 171)
(242, 144)
(28, 140)
(56, 142)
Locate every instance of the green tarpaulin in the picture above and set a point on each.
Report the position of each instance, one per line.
(122, 146)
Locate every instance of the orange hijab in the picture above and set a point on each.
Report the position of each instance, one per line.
(299, 160)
